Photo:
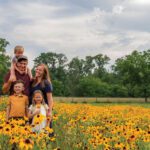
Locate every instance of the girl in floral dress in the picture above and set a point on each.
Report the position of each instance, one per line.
(39, 112)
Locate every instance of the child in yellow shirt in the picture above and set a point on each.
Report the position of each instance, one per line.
(17, 106)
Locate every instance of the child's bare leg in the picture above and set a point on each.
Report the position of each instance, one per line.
(12, 77)
(12, 73)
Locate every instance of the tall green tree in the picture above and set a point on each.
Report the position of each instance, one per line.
(4, 60)
(134, 70)
(89, 65)
(100, 62)
(74, 73)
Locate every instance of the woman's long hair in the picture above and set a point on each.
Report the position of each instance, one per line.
(45, 78)
(46, 75)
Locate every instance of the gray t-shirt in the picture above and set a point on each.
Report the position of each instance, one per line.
(14, 59)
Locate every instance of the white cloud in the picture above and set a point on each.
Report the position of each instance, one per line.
(118, 9)
(141, 2)
(38, 26)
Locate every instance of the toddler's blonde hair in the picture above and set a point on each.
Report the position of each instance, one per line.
(18, 48)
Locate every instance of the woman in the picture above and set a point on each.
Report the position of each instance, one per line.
(42, 82)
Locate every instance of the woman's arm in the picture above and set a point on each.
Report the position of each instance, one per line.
(50, 101)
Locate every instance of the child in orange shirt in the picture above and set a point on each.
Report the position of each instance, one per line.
(18, 51)
(17, 106)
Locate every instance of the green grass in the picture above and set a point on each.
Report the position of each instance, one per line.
(146, 105)
(142, 104)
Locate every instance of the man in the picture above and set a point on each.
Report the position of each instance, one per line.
(21, 64)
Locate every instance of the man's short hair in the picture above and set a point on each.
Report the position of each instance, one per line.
(20, 58)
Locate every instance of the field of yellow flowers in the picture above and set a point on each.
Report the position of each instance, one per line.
(81, 127)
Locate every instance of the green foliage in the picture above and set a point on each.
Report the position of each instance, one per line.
(134, 70)
(4, 142)
(58, 88)
(91, 87)
(100, 61)
(74, 74)
(4, 60)
(117, 90)
(89, 65)
(89, 77)
(3, 44)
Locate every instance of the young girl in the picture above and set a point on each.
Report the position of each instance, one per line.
(18, 51)
(18, 102)
(39, 112)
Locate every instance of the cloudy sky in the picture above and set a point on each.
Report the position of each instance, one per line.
(76, 27)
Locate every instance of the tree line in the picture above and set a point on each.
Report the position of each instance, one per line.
(129, 76)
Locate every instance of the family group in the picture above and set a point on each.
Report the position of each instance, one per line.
(29, 96)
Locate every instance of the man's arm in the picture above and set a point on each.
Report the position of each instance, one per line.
(7, 83)
(6, 86)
